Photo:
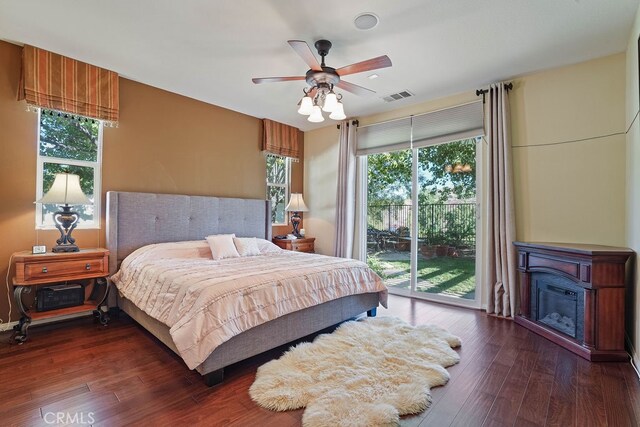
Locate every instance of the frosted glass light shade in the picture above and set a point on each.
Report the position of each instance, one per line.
(306, 106)
(316, 115)
(65, 191)
(338, 113)
(296, 204)
(330, 102)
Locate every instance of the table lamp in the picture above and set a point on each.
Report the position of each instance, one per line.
(65, 191)
(296, 205)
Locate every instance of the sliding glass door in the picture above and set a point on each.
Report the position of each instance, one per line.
(422, 231)
(421, 209)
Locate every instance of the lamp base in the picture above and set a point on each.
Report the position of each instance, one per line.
(65, 248)
(66, 221)
(295, 221)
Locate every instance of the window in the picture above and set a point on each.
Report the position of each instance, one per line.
(278, 179)
(71, 144)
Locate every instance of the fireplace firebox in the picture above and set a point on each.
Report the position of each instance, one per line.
(573, 294)
(558, 303)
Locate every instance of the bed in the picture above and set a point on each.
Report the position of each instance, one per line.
(136, 220)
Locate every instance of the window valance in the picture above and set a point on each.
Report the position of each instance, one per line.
(280, 139)
(56, 82)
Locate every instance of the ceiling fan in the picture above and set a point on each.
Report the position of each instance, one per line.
(322, 79)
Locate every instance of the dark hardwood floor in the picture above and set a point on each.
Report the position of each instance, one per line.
(120, 374)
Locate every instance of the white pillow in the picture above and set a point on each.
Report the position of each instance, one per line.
(267, 247)
(247, 246)
(222, 246)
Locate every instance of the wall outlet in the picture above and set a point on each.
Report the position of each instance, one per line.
(41, 249)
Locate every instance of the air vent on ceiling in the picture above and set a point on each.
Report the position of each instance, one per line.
(397, 96)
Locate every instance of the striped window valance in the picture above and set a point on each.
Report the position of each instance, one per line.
(56, 82)
(280, 139)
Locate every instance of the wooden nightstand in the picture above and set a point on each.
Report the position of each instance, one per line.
(297, 245)
(49, 268)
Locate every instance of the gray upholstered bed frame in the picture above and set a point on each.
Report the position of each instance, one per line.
(138, 219)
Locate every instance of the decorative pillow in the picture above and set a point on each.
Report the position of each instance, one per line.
(222, 246)
(247, 246)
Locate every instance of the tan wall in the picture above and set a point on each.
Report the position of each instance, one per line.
(633, 186)
(574, 191)
(321, 152)
(165, 143)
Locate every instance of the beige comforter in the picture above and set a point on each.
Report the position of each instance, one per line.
(206, 302)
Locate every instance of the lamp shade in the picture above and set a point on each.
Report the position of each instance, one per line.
(330, 102)
(306, 106)
(316, 115)
(65, 191)
(338, 112)
(296, 204)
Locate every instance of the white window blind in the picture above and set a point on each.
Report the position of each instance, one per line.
(393, 135)
(450, 124)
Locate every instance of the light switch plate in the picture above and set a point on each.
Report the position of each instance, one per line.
(41, 249)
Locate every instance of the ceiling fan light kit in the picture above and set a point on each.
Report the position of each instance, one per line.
(320, 95)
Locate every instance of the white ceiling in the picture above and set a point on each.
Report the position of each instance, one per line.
(209, 50)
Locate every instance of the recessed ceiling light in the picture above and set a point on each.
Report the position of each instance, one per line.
(366, 21)
(373, 76)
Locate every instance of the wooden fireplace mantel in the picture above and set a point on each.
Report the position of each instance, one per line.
(601, 272)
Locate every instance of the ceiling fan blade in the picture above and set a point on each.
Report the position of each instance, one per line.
(355, 89)
(368, 65)
(276, 79)
(305, 52)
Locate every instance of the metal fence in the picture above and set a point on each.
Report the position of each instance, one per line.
(444, 223)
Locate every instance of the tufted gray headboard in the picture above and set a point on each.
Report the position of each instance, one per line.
(138, 219)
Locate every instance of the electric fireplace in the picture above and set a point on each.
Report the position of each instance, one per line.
(573, 295)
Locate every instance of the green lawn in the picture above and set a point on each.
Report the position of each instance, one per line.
(441, 275)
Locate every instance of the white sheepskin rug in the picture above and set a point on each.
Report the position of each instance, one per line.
(365, 373)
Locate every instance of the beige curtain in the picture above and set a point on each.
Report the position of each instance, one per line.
(346, 194)
(500, 253)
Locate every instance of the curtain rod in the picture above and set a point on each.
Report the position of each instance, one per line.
(354, 123)
(483, 92)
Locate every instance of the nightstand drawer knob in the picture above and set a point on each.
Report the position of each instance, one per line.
(88, 266)
(44, 269)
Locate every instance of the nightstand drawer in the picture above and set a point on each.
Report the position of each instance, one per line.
(42, 270)
(36, 269)
(299, 245)
(302, 247)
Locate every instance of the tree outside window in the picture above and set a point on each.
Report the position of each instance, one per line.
(278, 181)
(69, 144)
